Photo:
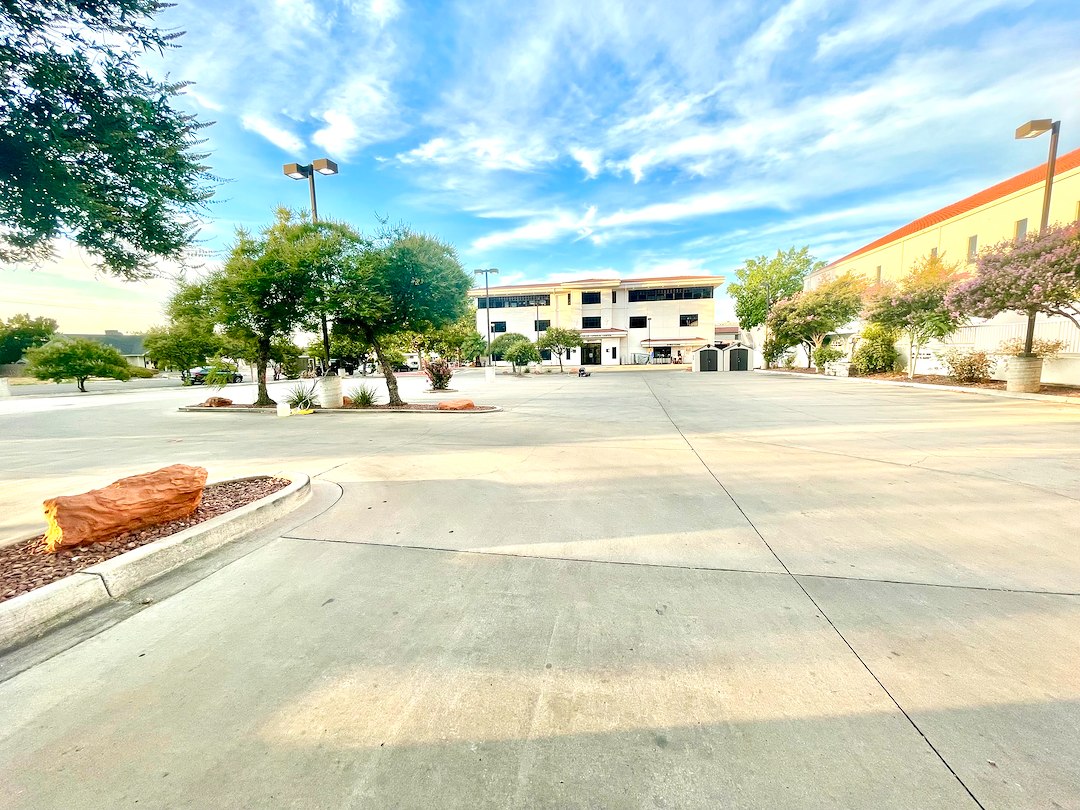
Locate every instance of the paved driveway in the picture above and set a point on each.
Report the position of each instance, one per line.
(632, 590)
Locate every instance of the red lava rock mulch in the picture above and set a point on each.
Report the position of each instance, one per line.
(26, 565)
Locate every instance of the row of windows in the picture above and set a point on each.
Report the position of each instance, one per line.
(593, 322)
(671, 294)
(501, 301)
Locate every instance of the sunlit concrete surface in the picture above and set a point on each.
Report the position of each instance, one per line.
(664, 590)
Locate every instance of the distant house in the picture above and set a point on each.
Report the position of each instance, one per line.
(131, 346)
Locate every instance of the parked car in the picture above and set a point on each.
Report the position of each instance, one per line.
(199, 374)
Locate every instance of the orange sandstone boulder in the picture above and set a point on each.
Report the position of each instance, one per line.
(216, 402)
(123, 506)
(346, 402)
(456, 405)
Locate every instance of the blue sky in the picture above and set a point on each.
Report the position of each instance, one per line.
(562, 138)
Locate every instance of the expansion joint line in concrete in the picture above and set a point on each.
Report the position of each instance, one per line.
(811, 599)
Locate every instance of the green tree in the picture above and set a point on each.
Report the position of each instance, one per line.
(522, 353)
(78, 359)
(20, 333)
(93, 148)
(558, 340)
(875, 350)
(408, 283)
(917, 306)
(810, 316)
(501, 345)
(262, 293)
(181, 345)
(459, 340)
(763, 281)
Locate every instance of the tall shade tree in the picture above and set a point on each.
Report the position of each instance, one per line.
(20, 333)
(1040, 273)
(810, 316)
(558, 341)
(264, 291)
(764, 280)
(92, 146)
(410, 283)
(917, 306)
(78, 359)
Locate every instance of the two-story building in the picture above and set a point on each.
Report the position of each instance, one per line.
(621, 321)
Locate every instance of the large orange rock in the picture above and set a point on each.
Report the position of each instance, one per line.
(456, 405)
(123, 506)
(217, 402)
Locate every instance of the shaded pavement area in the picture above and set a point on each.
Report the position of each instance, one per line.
(663, 590)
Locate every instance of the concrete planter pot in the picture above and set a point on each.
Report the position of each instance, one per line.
(1024, 375)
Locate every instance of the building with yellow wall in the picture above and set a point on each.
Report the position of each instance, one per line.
(957, 233)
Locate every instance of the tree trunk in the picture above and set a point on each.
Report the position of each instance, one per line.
(81, 382)
(388, 372)
(262, 359)
(560, 361)
(915, 347)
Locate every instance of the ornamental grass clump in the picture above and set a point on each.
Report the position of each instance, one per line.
(363, 397)
(302, 398)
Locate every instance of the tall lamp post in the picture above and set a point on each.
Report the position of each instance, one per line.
(298, 171)
(648, 323)
(487, 304)
(1033, 129)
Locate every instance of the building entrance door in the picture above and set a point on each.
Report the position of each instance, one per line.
(590, 354)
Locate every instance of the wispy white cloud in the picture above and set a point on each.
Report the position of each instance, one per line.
(277, 135)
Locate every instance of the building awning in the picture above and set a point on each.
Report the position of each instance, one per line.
(694, 341)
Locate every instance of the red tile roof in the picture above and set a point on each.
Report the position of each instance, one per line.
(1021, 181)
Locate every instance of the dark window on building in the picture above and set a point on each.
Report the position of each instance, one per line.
(688, 320)
(545, 354)
(614, 297)
(590, 298)
(501, 301)
(568, 298)
(670, 294)
(933, 253)
(1021, 229)
(638, 322)
(973, 248)
(541, 326)
(614, 352)
(590, 323)
(498, 326)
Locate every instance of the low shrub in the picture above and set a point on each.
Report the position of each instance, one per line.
(1040, 347)
(826, 354)
(876, 351)
(302, 398)
(143, 373)
(363, 397)
(967, 366)
(788, 360)
(438, 372)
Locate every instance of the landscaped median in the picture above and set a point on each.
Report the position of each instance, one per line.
(992, 389)
(29, 615)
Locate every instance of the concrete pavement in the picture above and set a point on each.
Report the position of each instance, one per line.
(627, 591)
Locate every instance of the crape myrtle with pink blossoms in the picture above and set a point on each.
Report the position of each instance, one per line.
(1039, 273)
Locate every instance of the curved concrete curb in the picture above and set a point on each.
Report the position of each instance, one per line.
(325, 411)
(957, 389)
(29, 615)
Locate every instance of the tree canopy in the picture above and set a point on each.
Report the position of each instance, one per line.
(501, 345)
(1040, 273)
(917, 306)
(558, 340)
(808, 317)
(409, 282)
(93, 148)
(20, 333)
(521, 353)
(762, 281)
(78, 359)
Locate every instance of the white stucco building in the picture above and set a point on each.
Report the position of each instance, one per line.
(621, 321)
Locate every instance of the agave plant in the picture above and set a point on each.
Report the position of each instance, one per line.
(302, 398)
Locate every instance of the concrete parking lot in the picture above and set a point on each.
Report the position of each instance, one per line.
(632, 590)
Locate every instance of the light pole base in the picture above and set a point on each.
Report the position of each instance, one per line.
(489, 374)
(328, 390)
(1024, 375)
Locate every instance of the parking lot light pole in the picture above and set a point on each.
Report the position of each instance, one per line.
(487, 305)
(298, 171)
(1033, 129)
